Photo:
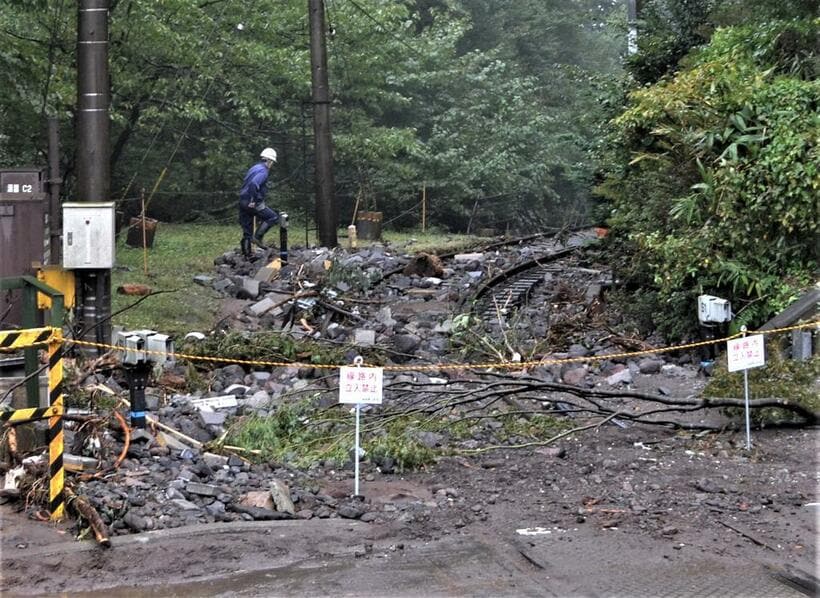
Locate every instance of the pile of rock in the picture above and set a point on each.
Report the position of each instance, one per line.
(169, 479)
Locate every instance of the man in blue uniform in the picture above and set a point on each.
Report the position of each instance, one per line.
(252, 202)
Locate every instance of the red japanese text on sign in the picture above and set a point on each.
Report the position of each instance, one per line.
(746, 352)
(360, 385)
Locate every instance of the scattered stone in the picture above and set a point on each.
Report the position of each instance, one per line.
(135, 522)
(258, 513)
(280, 492)
(468, 257)
(202, 489)
(258, 499)
(215, 461)
(351, 510)
(249, 288)
(575, 376)
(261, 307)
(622, 377)
(648, 365)
(707, 485)
(184, 505)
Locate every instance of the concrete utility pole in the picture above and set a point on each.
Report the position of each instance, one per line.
(93, 155)
(327, 212)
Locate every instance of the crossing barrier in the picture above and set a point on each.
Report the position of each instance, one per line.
(52, 339)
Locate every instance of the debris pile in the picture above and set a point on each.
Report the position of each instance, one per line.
(408, 310)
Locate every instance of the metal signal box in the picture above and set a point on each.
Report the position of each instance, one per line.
(144, 346)
(88, 235)
(713, 310)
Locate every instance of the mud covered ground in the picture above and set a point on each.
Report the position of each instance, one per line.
(576, 517)
(641, 510)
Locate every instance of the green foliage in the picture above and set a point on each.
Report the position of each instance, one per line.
(508, 338)
(669, 29)
(293, 434)
(422, 95)
(358, 279)
(535, 427)
(400, 443)
(720, 193)
(265, 346)
(288, 435)
(779, 378)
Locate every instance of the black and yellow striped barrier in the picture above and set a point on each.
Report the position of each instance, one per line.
(12, 340)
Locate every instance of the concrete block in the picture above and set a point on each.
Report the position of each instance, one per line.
(364, 338)
(251, 287)
(468, 257)
(260, 307)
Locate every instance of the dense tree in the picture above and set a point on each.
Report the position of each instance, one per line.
(198, 87)
(716, 178)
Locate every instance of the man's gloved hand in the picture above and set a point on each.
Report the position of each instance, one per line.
(252, 205)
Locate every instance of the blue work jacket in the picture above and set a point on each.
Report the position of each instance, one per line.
(254, 187)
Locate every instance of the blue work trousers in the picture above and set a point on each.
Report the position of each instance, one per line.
(247, 214)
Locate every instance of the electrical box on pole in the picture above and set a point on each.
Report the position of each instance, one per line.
(88, 235)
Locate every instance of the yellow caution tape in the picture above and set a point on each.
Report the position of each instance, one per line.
(508, 365)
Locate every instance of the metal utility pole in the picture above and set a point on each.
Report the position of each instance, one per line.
(55, 215)
(327, 212)
(93, 155)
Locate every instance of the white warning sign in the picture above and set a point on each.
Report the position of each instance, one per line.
(746, 352)
(360, 385)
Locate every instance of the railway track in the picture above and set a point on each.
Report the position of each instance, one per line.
(513, 287)
(545, 239)
(528, 263)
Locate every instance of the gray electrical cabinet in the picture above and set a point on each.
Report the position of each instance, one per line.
(88, 235)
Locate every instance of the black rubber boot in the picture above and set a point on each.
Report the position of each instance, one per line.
(247, 251)
(260, 232)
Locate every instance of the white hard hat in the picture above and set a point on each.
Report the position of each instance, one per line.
(268, 154)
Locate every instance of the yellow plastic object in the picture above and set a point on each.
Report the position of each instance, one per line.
(62, 280)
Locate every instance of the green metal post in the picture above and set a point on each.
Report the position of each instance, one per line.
(30, 354)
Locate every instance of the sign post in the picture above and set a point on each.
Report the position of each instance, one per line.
(744, 353)
(359, 386)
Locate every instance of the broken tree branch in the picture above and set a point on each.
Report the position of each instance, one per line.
(89, 513)
(555, 438)
(746, 535)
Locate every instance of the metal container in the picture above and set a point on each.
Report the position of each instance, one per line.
(369, 226)
(24, 235)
